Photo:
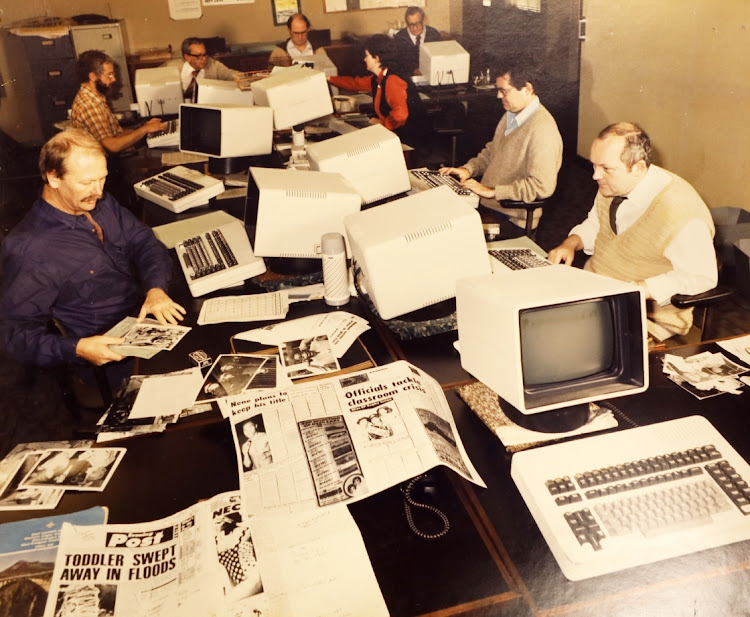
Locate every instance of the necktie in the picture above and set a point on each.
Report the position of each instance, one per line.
(97, 228)
(419, 39)
(613, 211)
(191, 85)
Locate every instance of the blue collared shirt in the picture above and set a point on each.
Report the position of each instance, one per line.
(515, 120)
(55, 267)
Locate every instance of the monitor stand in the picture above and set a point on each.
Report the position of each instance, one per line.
(228, 165)
(554, 421)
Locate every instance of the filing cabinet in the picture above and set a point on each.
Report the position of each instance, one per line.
(43, 80)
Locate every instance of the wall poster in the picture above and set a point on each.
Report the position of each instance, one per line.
(333, 6)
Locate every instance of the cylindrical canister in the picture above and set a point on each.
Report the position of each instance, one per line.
(335, 275)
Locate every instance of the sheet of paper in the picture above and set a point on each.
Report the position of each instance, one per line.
(739, 346)
(341, 327)
(251, 307)
(315, 564)
(185, 9)
(164, 395)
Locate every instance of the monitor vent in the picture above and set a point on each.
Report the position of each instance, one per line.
(306, 194)
(297, 255)
(434, 301)
(362, 150)
(428, 231)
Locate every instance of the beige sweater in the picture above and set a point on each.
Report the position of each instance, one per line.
(522, 166)
(638, 253)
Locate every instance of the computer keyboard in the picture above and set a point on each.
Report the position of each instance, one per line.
(167, 138)
(218, 258)
(623, 499)
(434, 178)
(516, 259)
(179, 188)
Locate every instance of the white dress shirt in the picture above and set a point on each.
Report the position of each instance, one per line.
(187, 75)
(691, 252)
(296, 53)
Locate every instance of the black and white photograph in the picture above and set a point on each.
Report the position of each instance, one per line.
(86, 599)
(15, 497)
(379, 424)
(231, 374)
(255, 448)
(88, 469)
(154, 335)
(309, 356)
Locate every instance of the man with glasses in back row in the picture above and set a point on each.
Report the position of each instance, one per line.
(199, 64)
(410, 38)
(90, 111)
(297, 45)
(522, 160)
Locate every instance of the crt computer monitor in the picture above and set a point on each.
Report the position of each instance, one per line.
(297, 94)
(444, 63)
(158, 91)
(213, 91)
(295, 209)
(549, 340)
(224, 131)
(371, 159)
(408, 253)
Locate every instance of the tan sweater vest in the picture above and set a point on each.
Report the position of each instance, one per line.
(638, 253)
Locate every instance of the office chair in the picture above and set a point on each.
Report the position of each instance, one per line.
(450, 120)
(703, 301)
(530, 208)
(79, 397)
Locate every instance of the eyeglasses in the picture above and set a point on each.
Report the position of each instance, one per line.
(108, 75)
(293, 33)
(504, 91)
(199, 56)
(414, 24)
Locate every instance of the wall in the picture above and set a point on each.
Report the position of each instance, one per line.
(148, 25)
(679, 69)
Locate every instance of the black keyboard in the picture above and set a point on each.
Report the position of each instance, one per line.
(435, 179)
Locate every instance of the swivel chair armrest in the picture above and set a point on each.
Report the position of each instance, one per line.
(530, 207)
(702, 299)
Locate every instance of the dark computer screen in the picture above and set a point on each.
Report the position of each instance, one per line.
(200, 130)
(566, 342)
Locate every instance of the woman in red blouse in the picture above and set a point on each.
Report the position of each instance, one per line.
(395, 98)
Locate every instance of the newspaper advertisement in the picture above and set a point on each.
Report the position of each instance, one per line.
(340, 439)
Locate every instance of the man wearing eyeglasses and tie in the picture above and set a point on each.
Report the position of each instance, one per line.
(199, 64)
(410, 38)
(297, 45)
(90, 111)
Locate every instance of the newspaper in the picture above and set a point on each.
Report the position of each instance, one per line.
(340, 439)
(211, 560)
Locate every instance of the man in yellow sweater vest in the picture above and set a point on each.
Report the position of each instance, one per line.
(523, 158)
(647, 226)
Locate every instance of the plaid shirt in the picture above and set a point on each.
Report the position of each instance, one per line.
(91, 113)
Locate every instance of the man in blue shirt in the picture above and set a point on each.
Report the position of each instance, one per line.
(72, 259)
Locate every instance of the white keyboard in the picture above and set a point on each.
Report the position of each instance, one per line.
(165, 139)
(503, 259)
(425, 179)
(624, 499)
(218, 258)
(179, 188)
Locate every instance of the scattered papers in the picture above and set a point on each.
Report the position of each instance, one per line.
(233, 374)
(342, 329)
(17, 465)
(145, 339)
(739, 347)
(253, 307)
(341, 439)
(705, 374)
(82, 469)
(167, 395)
(308, 356)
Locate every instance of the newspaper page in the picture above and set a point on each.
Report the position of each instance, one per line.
(340, 439)
(155, 569)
